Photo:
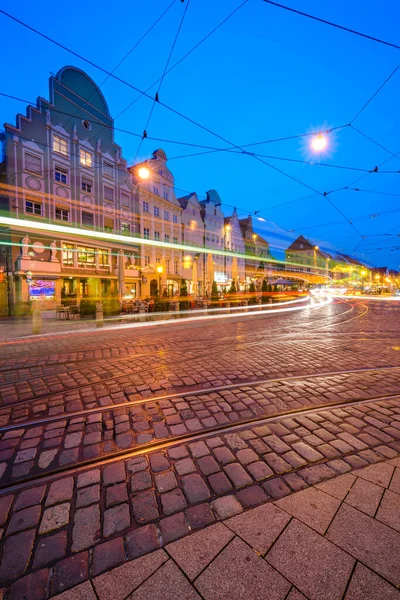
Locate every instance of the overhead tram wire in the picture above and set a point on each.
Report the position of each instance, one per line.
(186, 118)
(331, 24)
(133, 48)
(156, 97)
(373, 95)
(209, 34)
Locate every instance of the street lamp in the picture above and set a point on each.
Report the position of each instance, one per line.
(144, 173)
(319, 142)
(159, 271)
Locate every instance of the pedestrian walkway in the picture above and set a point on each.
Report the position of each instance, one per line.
(337, 539)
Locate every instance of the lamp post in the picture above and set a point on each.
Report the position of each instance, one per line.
(159, 271)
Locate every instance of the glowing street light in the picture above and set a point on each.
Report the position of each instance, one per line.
(159, 271)
(144, 173)
(319, 142)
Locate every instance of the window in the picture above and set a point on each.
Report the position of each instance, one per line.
(86, 256)
(167, 265)
(160, 171)
(155, 191)
(125, 199)
(158, 260)
(125, 228)
(176, 266)
(166, 195)
(85, 158)
(68, 254)
(87, 219)
(194, 212)
(166, 238)
(33, 163)
(156, 211)
(87, 125)
(145, 207)
(108, 169)
(103, 258)
(87, 185)
(62, 214)
(301, 245)
(174, 218)
(60, 175)
(213, 238)
(33, 208)
(60, 145)
(108, 193)
(146, 233)
(157, 236)
(175, 240)
(108, 224)
(147, 261)
(166, 215)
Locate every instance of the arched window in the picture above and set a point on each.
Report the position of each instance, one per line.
(153, 287)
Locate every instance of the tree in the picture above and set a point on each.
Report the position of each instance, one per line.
(275, 288)
(269, 288)
(252, 287)
(214, 292)
(264, 287)
(232, 289)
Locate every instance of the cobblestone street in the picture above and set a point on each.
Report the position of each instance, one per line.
(253, 457)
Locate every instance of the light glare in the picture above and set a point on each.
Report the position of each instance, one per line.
(319, 142)
(144, 173)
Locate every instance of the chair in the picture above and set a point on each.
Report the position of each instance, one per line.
(74, 312)
(62, 312)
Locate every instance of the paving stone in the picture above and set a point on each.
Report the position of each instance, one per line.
(295, 595)
(31, 587)
(30, 497)
(60, 491)
(198, 449)
(338, 487)
(193, 553)
(371, 542)
(86, 529)
(295, 482)
(84, 591)
(168, 583)
(116, 494)
(259, 470)
(142, 541)
(195, 488)
(276, 488)
(122, 581)
(294, 459)
(219, 483)
(141, 481)
(226, 579)
(5, 505)
(50, 549)
(251, 496)
(88, 495)
(316, 567)
(178, 452)
(246, 456)
(237, 475)
(55, 517)
(159, 462)
(366, 585)
(276, 444)
(316, 474)
(144, 505)
(226, 507)
(24, 519)
(116, 519)
(107, 555)
(165, 481)
(365, 496)
(173, 501)
(185, 466)
(199, 516)
(310, 454)
(69, 572)
(389, 510)
(224, 455)
(16, 554)
(114, 473)
(312, 507)
(380, 474)
(173, 528)
(277, 463)
(395, 482)
(259, 527)
(208, 465)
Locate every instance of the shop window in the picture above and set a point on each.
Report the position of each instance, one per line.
(68, 253)
(103, 256)
(86, 256)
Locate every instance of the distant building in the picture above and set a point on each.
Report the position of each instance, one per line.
(213, 219)
(307, 257)
(193, 234)
(61, 166)
(255, 245)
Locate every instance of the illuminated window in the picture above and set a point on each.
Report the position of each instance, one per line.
(86, 256)
(60, 145)
(87, 185)
(68, 254)
(87, 219)
(62, 215)
(147, 261)
(103, 256)
(85, 158)
(33, 208)
(33, 163)
(60, 175)
(176, 266)
(167, 265)
(158, 260)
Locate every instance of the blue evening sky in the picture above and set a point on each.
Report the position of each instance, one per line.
(265, 74)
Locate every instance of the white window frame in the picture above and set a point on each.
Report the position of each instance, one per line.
(61, 140)
(37, 202)
(125, 224)
(146, 233)
(83, 158)
(63, 210)
(107, 164)
(157, 236)
(62, 169)
(175, 218)
(83, 183)
(156, 211)
(26, 153)
(156, 191)
(146, 208)
(147, 260)
(165, 195)
(166, 215)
